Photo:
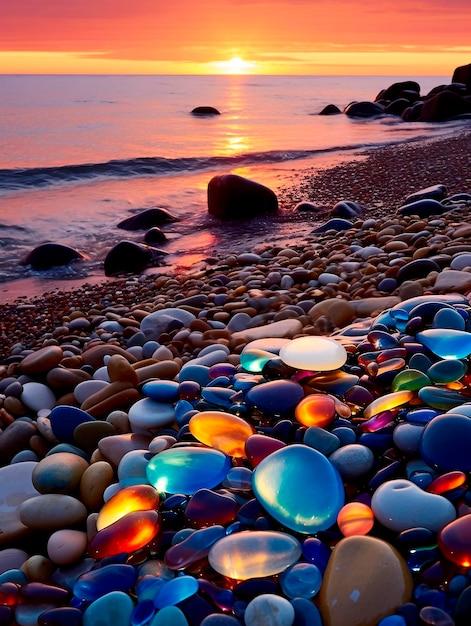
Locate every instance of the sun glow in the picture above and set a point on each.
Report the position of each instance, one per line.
(236, 65)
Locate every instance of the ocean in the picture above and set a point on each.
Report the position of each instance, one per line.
(78, 154)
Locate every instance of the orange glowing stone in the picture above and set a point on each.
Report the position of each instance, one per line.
(222, 431)
(447, 482)
(387, 402)
(316, 409)
(128, 500)
(355, 518)
(128, 534)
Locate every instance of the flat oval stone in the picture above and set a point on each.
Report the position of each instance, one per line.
(127, 500)
(277, 481)
(185, 470)
(16, 486)
(352, 460)
(366, 579)
(52, 510)
(42, 360)
(269, 609)
(257, 447)
(254, 554)
(66, 546)
(387, 402)
(447, 371)
(320, 354)
(276, 397)
(194, 548)
(400, 504)
(65, 419)
(161, 390)
(59, 473)
(150, 415)
(111, 609)
(223, 431)
(447, 343)
(125, 536)
(454, 541)
(37, 396)
(315, 410)
(446, 442)
(301, 580)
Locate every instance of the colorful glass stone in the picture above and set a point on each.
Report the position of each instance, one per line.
(253, 360)
(447, 482)
(447, 371)
(355, 518)
(446, 443)
(207, 507)
(277, 481)
(337, 382)
(257, 447)
(454, 541)
(223, 431)
(315, 353)
(187, 469)
(193, 548)
(315, 410)
(128, 534)
(446, 343)
(409, 380)
(106, 579)
(129, 499)
(254, 554)
(388, 402)
(301, 580)
(175, 591)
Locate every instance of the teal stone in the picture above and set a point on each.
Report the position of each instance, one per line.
(447, 371)
(302, 580)
(441, 398)
(112, 609)
(300, 488)
(253, 360)
(420, 361)
(187, 469)
(446, 343)
(169, 616)
(197, 373)
(13, 576)
(448, 318)
(321, 439)
(175, 591)
(409, 380)
(161, 390)
(68, 447)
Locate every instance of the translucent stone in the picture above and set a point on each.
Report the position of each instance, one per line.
(254, 554)
(447, 371)
(194, 548)
(253, 360)
(355, 518)
(315, 410)
(447, 482)
(449, 318)
(314, 353)
(382, 340)
(409, 380)
(388, 402)
(302, 580)
(223, 431)
(187, 469)
(175, 591)
(300, 488)
(207, 507)
(238, 479)
(117, 606)
(128, 534)
(441, 398)
(454, 541)
(106, 579)
(446, 343)
(337, 382)
(129, 499)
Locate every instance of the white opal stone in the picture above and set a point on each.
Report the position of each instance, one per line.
(147, 415)
(400, 504)
(269, 610)
(37, 396)
(87, 388)
(314, 353)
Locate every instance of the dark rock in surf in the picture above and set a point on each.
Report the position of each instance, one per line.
(127, 256)
(205, 111)
(232, 197)
(418, 268)
(155, 235)
(306, 207)
(347, 209)
(435, 192)
(364, 109)
(49, 255)
(330, 109)
(396, 90)
(147, 219)
(462, 74)
(337, 224)
(413, 113)
(423, 208)
(397, 107)
(446, 105)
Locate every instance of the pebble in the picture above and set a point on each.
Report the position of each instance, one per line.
(269, 610)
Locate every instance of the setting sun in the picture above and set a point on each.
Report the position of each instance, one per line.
(235, 65)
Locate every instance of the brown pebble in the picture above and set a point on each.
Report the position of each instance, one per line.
(15, 438)
(88, 434)
(339, 312)
(94, 355)
(119, 369)
(38, 568)
(95, 480)
(65, 379)
(115, 447)
(51, 511)
(162, 369)
(41, 360)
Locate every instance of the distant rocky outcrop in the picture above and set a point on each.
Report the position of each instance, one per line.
(232, 197)
(403, 99)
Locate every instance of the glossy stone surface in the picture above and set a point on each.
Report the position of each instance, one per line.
(355, 518)
(16, 487)
(99, 582)
(446, 442)
(257, 447)
(112, 609)
(127, 500)
(175, 591)
(223, 431)
(446, 343)
(185, 470)
(254, 554)
(301, 580)
(276, 482)
(269, 609)
(276, 397)
(358, 593)
(314, 353)
(65, 419)
(455, 541)
(315, 410)
(128, 534)
(388, 402)
(194, 548)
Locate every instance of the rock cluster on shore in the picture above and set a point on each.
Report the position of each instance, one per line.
(279, 437)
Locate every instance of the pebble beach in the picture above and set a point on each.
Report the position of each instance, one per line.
(278, 437)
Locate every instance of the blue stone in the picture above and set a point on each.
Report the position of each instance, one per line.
(422, 416)
(169, 616)
(449, 318)
(197, 373)
(446, 343)
(447, 371)
(161, 390)
(221, 620)
(219, 396)
(301, 580)
(65, 419)
(100, 582)
(393, 620)
(321, 439)
(277, 397)
(441, 397)
(305, 613)
(446, 443)
(142, 613)
(60, 616)
(175, 591)
(113, 609)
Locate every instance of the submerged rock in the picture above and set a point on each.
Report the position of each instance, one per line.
(147, 219)
(205, 110)
(127, 256)
(49, 255)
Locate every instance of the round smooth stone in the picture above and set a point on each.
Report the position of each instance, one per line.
(366, 579)
(128, 500)
(315, 410)
(409, 380)
(321, 439)
(59, 473)
(352, 460)
(112, 609)
(52, 510)
(42, 360)
(449, 318)
(400, 504)
(407, 437)
(88, 434)
(66, 546)
(65, 419)
(316, 353)
(306, 612)
(254, 554)
(302, 580)
(441, 397)
(88, 388)
(276, 397)
(161, 390)
(446, 343)
(269, 610)
(257, 447)
(132, 468)
(169, 616)
(93, 483)
(355, 518)
(447, 371)
(277, 482)
(454, 541)
(16, 487)
(130, 533)
(446, 443)
(185, 470)
(222, 431)
(175, 591)
(150, 416)
(37, 396)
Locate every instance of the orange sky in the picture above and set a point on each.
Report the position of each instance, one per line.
(404, 37)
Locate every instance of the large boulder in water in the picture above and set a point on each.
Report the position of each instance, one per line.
(396, 90)
(364, 109)
(232, 197)
(205, 110)
(49, 255)
(127, 256)
(462, 74)
(443, 106)
(147, 219)
(330, 109)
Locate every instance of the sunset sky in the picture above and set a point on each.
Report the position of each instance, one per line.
(405, 37)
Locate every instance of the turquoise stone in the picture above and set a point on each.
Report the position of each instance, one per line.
(113, 609)
(103, 581)
(446, 343)
(254, 554)
(300, 488)
(441, 398)
(253, 360)
(169, 616)
(447, 371)
(161, 390)
(187, 469)
(175, 591)
(302, 580)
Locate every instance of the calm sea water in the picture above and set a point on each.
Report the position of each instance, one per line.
(80, 153)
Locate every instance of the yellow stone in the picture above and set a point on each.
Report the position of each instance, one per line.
(223, 431)
(388, 402)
